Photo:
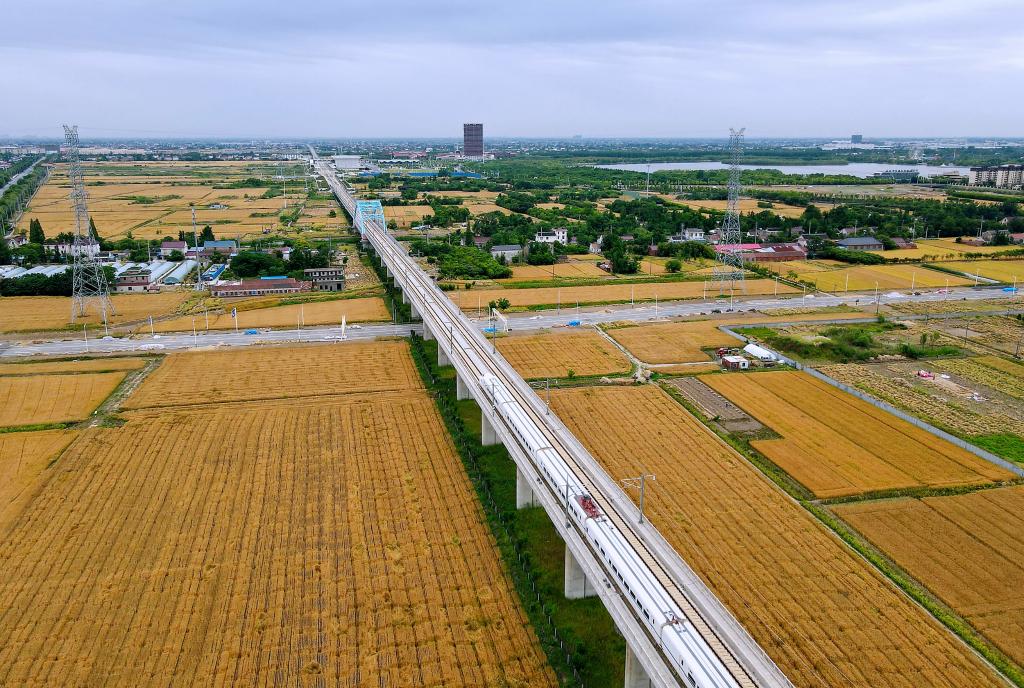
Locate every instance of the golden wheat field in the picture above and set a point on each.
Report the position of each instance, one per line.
(965, 548)
(822, 613)
(837, 445)
(571, 269)
(154, 201)
(747, 205)
(865, 277)
(84, 365)
(603, 293)
(371, 309)
(24, 457)
(677, 342)
(35, 399)
(1008, 271)
(325, 541)
(554, 355)
(203, 377)
(30, 313)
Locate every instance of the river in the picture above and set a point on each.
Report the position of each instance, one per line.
(855, 169)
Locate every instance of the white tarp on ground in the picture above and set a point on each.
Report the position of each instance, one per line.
(760, 353)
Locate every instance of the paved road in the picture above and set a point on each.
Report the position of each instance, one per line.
(648, 311)
(517, 321)
(18, 177)
(178, 342)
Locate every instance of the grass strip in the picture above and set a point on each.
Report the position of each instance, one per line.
(578, 636)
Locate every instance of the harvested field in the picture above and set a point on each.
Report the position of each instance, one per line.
(603, 293)
(38, 399)
(327, 541)
(652, 265)
(966, 548)
(370, 309)
(824, 615)
(950, 245)
(553, 355)
(276, 372)
(676, 342)
(85, 365)
(837, 445)
(993, 372)
(30, 313)
(1008, 271)
(684, 341)
(943, 408)
(24, 457)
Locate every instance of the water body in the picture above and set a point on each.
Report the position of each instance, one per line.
(854, 169)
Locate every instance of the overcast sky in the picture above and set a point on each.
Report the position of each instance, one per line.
(673, 68)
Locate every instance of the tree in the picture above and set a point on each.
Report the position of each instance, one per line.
(5, 252)
(673, 265)
(253, 264)
(93, 234)
(176, 256)
(35, 232)
(207, 234)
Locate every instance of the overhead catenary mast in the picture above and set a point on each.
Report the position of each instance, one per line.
(89, 281)
(728, 272)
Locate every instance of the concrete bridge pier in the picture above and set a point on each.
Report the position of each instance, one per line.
(428, 335)
(443, 360)
(636, 676)
(524, 491)
(461, 388)
(487, 435)
(576, 584)
(412, 308)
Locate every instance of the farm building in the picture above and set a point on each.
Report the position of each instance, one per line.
(169, 247)
(326, 279)
(507, 251)
(258, 287)
(735, 362)
(760, 353)
(860, 244)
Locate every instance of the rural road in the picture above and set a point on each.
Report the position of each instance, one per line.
(517, 321)
(18, 177)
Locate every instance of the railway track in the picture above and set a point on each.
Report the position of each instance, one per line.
(479, 359)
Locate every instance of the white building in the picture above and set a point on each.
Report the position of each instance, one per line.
(687, 234)
(551, 236)
(1003, 176)
(347, 162)
(91, 248)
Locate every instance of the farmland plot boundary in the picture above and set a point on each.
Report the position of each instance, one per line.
(906, 583)
(889, 408)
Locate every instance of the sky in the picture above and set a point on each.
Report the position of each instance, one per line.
(528, 68)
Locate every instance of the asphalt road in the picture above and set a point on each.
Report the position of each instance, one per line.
(517, 321)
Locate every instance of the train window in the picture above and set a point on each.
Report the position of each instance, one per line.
(692, 680)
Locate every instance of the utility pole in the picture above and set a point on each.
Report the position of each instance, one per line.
(639, 482)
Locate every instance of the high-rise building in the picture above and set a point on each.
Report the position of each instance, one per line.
(857, 138)
(473, 140)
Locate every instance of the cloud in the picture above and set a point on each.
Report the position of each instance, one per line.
(405, 67)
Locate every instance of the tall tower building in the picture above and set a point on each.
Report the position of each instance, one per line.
(473, 140)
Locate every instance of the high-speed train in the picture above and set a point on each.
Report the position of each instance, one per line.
(679, 640)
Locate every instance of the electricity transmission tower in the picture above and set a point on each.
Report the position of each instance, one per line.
(89, 282)
(728, 273)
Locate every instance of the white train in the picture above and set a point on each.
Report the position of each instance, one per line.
(679, 641)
